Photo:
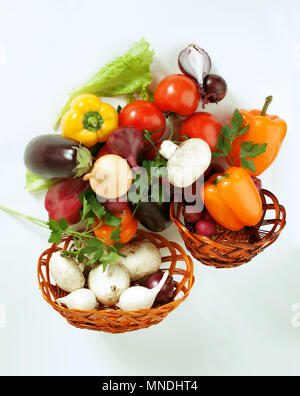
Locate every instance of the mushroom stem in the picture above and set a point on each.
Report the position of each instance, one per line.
(168, 148)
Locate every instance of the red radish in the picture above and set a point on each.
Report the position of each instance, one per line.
(207, 216)
(205, 228)
(62, 200)
(192, 213)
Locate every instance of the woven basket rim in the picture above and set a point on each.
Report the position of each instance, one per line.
(176, 254)
(175, 217)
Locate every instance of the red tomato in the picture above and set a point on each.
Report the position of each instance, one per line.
(103, 151)
(177, 94)
(143, 115)
(202, 125)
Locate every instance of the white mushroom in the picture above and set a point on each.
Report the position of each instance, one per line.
(186, 162)
(66, 272)
(142, 259)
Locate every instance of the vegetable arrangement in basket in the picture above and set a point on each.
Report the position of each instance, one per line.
(109, 169)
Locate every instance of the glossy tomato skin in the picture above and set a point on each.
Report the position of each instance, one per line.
(202, 125)
(177, 94)
(143, 115)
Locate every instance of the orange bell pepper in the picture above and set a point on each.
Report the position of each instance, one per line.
(232, 199)
(263, 128)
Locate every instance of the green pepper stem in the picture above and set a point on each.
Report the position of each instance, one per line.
(92, 121)
(268, 101)
(220, 178)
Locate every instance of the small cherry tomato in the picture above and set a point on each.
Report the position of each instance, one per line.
(202, 125)
(143, 115)
(177, 94)
(128, 228)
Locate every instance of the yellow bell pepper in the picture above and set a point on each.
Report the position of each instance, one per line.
(89, 120)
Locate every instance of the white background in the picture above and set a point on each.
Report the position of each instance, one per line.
(236, 321)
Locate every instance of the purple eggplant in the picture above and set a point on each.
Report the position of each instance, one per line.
(154, 216)
(52, 156)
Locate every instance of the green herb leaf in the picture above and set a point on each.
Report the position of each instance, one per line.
(217, 154)
(226, 138)
(248, 164)
(116, 234)
(236, 121)
(91, 204)
(243, 130)
(226, 132)
(111, 219)
(252, 150)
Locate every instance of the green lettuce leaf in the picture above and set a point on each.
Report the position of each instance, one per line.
(36, 183)
(127, 75)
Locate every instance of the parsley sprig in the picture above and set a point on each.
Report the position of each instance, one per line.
(87, 249)
(227, 136)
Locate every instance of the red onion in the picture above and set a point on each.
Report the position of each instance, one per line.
(215, 89)
(115, 205)
(194, 62)
(166, 291)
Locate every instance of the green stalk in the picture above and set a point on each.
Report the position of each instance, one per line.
(171, 126)
(268, 101)
(147, 136)
(32, 219)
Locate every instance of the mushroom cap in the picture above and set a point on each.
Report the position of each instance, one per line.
(188, 162)
(111, 176)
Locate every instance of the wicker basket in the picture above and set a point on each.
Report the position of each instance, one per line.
(113, 320)
(231, 249)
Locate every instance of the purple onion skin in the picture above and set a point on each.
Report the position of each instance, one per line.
(215, 88)
(127, 142)
(115, 205)
(188, 69)
(166, 291)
